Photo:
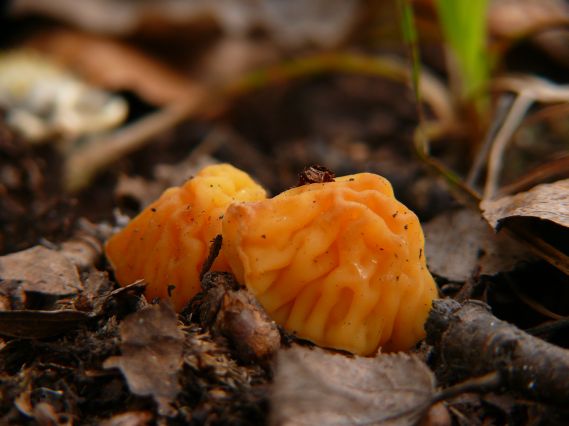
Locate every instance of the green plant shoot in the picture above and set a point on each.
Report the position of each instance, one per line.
(463, 23)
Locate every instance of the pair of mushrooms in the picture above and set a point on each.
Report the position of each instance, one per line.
(339, 263)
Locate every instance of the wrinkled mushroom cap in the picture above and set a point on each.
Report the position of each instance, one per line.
(341, 263)
(168, 242)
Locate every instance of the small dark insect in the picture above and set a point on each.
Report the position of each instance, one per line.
(315, 174)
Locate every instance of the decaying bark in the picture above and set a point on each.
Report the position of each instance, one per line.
(470, 341)
(231, 311)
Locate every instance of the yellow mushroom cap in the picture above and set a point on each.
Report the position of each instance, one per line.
(339, 263)
(168, 242)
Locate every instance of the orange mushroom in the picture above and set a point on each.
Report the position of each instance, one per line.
(168, 242)
(339, 263)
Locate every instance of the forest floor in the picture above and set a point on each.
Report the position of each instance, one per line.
(77, 348)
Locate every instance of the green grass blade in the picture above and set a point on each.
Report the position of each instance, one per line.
(410, 37)
(464, 27)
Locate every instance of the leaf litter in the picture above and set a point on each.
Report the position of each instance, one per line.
(151, 355)
(549, 202)
(314, 386)
(540, 217)
(460, 244)
(221, 366)
(41, 270)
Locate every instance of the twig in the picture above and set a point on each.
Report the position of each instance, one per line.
(214, 250)
(82, 165)
(480, 384)
(469, 341)
(515, 115)
(503, 106)
(529, 89)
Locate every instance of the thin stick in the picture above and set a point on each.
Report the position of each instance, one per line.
(502, 108)
(480, 384)
(84, 164)
(472, 342)
(511, 123)
(214, 250)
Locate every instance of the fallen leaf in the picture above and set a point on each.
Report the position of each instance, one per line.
(515, 19)
(291, 23)
(115, 66)
(538, 217)
(545, 202)
(315, 387)
(46, 273)
(460, 243)
(542, 22)
(151, 357)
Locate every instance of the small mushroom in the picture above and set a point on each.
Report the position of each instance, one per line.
(338, 263)
(168, 242)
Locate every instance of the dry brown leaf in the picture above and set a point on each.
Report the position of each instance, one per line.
(115, 66)
(544, 21)
(42, 271)
(519, 18)
(315, 387)
(460, 243)
(151, 357)
(538, 217)
(291, 23)
(546, 202)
